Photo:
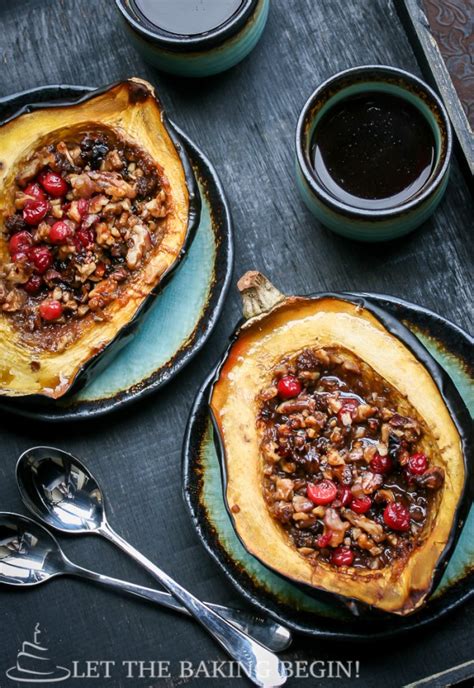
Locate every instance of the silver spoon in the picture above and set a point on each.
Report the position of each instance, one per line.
(61, 491)
(30, 555)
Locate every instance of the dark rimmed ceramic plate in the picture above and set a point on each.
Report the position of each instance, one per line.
(164, 343)
(286, 602)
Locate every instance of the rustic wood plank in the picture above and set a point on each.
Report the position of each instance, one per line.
(245, 121)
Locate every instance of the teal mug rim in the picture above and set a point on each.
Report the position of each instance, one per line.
(379, 71)
(184, 43)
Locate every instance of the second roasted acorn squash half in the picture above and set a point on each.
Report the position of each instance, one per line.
(287, 337)
(98, 205)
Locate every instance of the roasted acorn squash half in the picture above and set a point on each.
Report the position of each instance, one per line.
(279, 328)
(49, 358)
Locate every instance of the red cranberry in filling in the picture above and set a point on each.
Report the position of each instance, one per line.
(34, 211)
(345, 496)
(288, 387)
(381, 464)
(59, 233)
(53, 183)
(342, 556)
(417, 464)
(33, 285)
(361, 505)
(84, 238)
(396, 516)
(324, 492)
(83, 206)
(50, 309)
(35, 191)
(20, 242)
(42, 258)
(349, 407)
(324, 539)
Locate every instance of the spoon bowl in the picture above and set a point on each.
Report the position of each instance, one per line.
(29, 554)
(60, 490)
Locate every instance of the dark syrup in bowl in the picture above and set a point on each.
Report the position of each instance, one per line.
(187, 17)
(373, 151)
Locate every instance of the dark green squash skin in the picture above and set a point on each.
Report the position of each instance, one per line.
(98, 362)
(458, 411)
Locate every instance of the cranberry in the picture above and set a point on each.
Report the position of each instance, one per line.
(381, 464)
(35, 191)
(396, 516)
(288, 386)
(324, 492)
(83, 206)
(324, 539)
(349, 406)
(417, 464)
(345, 496)
(50, 309)
(34, 211)
(59, 233)
(361, 505)
(42, 258)
(20, 242)
(342, 556)
(53, 183)
(33, 285)
(84, 238)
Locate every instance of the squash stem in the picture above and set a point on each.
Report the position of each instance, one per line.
(258, 294)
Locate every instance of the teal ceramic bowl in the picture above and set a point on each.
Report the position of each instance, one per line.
(201, 54)
(358, 223)
(288, 603)
(163, 344)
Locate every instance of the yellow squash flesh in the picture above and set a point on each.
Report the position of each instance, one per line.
(292, 325)
(131, 110)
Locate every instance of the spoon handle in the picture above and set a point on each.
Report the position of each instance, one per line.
(261, 666)
(267, 632)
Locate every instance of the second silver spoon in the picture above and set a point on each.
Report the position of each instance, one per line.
(30, 555)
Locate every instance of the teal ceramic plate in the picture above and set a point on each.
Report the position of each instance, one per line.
(452, 349)
(163, 343)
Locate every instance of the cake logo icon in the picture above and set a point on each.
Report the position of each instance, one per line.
(34, 666)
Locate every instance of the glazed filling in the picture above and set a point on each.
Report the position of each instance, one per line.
(87, 213)
(343, 470)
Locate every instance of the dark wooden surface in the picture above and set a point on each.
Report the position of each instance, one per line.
(245, 121)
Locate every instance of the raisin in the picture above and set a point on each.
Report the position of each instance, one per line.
(15, 223)
(93, 150)
(146, 186)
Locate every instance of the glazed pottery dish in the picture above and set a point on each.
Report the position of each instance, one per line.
(194, 40)
(100, 204)
(162, 345)
(373, 147)
(345, 448)
(293, 605)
